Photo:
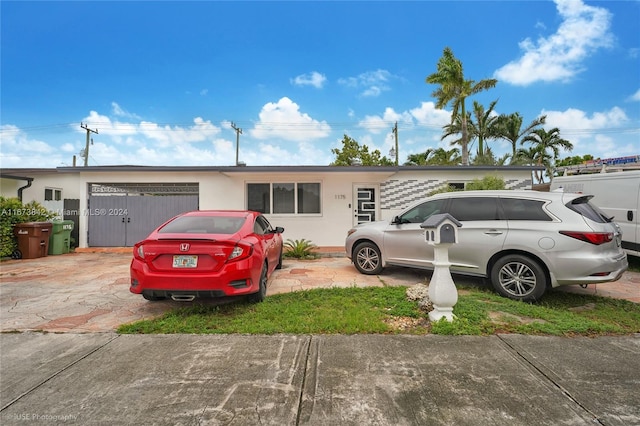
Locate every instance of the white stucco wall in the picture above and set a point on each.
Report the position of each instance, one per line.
(227, 190)
(329, 228)
(9, 187)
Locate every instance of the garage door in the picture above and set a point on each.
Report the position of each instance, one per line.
(120, 215)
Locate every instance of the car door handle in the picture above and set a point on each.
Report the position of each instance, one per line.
(493, 232)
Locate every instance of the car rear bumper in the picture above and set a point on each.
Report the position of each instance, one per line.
(234, 279)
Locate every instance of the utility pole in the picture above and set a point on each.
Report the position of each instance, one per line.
(395, 132)
(86, 148)
(238, 133)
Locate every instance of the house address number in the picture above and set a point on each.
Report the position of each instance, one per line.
(340, 197)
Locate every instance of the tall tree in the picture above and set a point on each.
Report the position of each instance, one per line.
(419, 159)
(533, 156)
(483, 128)
(510, 128)
(455, 128)
(455, 89)
(548, 140)
(353, 153)
(443, 157)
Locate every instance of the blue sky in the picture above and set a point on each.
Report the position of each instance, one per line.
(163, 81)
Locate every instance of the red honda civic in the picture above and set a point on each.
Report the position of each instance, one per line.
(207, 254)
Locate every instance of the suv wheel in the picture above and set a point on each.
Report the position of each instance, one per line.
(519, 278)
(367, 259)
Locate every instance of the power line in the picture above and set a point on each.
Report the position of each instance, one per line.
(283, 126)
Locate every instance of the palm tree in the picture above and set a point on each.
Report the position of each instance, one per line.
(455, 128)
(532, 156)
(543, 141)
(484, 127)
(443, 157)
(455, 89)
(419, 159)
(510, 128)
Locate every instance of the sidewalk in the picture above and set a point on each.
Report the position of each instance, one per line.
(510, 380)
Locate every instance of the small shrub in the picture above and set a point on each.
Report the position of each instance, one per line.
(13, 211)
(442, 189)
(300, 249)
(486, 183)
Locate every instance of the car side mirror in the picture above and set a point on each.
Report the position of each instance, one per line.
(279, 230)
(396, 220)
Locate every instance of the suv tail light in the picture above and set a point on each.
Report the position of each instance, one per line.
(595, 238)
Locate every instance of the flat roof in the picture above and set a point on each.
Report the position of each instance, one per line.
(256, 169)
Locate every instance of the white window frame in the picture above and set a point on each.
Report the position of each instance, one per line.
(56, 194)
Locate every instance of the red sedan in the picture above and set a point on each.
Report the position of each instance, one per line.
(207, 254)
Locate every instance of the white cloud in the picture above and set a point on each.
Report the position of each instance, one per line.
(118, 111)
(372, 83)
(575, 121)
(17, 149)
(429, 116)
(314, 79)
(201, 131)
(284, 120)
(583, 30)
(376, 123)
(635, 96)
(598, 134)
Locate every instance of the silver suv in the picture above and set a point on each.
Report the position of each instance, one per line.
(523, 241)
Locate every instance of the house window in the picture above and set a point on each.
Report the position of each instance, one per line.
(284, 197)
(52, 194)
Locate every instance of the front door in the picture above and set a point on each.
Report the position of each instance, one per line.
(365, 204)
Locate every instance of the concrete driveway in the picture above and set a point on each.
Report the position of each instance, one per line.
(89, 292)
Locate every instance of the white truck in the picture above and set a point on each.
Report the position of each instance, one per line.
(617, 194)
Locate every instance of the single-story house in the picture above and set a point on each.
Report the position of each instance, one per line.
(116, 206)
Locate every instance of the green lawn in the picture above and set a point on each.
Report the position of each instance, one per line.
(387, 310)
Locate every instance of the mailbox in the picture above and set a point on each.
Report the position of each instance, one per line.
(441, 229)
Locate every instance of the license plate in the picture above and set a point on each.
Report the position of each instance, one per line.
(183, 261)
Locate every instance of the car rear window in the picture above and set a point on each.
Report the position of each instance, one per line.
(519, 209)
(203, 225)
(582, 206)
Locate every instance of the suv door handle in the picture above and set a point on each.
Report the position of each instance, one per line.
(493, 232)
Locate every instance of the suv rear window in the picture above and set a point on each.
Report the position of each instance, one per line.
(519, 209)
(582, 206)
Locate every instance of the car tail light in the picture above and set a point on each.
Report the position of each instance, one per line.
(595, 238)
(240, 251)
(138, 251)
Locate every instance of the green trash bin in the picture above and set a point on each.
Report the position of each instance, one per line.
(60, 238)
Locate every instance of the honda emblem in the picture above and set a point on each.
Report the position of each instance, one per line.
(184, 247)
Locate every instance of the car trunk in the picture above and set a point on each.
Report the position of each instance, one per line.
(188, 255)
